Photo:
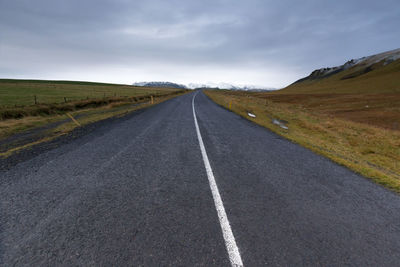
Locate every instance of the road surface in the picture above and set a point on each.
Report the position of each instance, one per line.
(140, 191)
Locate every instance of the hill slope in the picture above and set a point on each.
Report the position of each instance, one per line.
(374, 74)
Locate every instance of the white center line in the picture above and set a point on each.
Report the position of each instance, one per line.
(230, 243)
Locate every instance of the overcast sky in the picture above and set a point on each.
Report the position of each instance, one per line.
(261, 42)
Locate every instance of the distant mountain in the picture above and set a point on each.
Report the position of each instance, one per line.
(205, 85)
(161, 84)
(229, 86)
(378, 73)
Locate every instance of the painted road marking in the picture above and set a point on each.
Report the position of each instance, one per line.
(230, 243)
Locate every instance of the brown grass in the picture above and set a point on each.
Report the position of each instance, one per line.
(381, 110)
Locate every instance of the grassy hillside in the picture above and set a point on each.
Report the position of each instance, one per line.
(23, 92)
(357, 80)
(368, 92)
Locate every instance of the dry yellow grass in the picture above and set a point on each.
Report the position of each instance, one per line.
(369, 150)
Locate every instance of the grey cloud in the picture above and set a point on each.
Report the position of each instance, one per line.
(268, 37)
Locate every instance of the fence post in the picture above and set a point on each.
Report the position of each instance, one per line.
(65, 99)
(35, 99)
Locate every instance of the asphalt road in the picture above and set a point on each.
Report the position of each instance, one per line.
(136, 192)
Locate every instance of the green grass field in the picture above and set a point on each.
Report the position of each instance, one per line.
(23, 92)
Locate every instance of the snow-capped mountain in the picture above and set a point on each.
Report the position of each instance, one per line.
(228, 86)
(220, 85)
(361, 65)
